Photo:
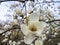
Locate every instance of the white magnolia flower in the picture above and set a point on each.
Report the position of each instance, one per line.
(38, 42)
(34, 28)
(5, 40)
(23, 12)
(15, 22)
(43, 37)
(14, 43)
(18, 11)
(6, 27)
(14, 15)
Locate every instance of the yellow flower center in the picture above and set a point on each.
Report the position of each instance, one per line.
(32, 27)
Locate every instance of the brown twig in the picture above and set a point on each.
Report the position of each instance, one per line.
(50, 21)
(10, 29)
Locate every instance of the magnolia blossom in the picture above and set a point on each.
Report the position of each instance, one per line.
(18, 11)
(38, 42)
(5, 40)
(15, 22)
(6, 27)
(14, 15)
(33, 29)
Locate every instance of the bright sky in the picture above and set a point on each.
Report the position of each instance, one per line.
(3, 9)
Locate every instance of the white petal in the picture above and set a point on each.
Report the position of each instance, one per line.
(29, 38)
(29, 10)
(38, 42)
(24, 29)
(16, 21)
(40, 27)
(34, 17)
(31, 44)
(5, 40)
(6, 27)
(18, 11)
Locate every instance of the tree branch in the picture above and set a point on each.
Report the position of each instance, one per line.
(50, 21)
